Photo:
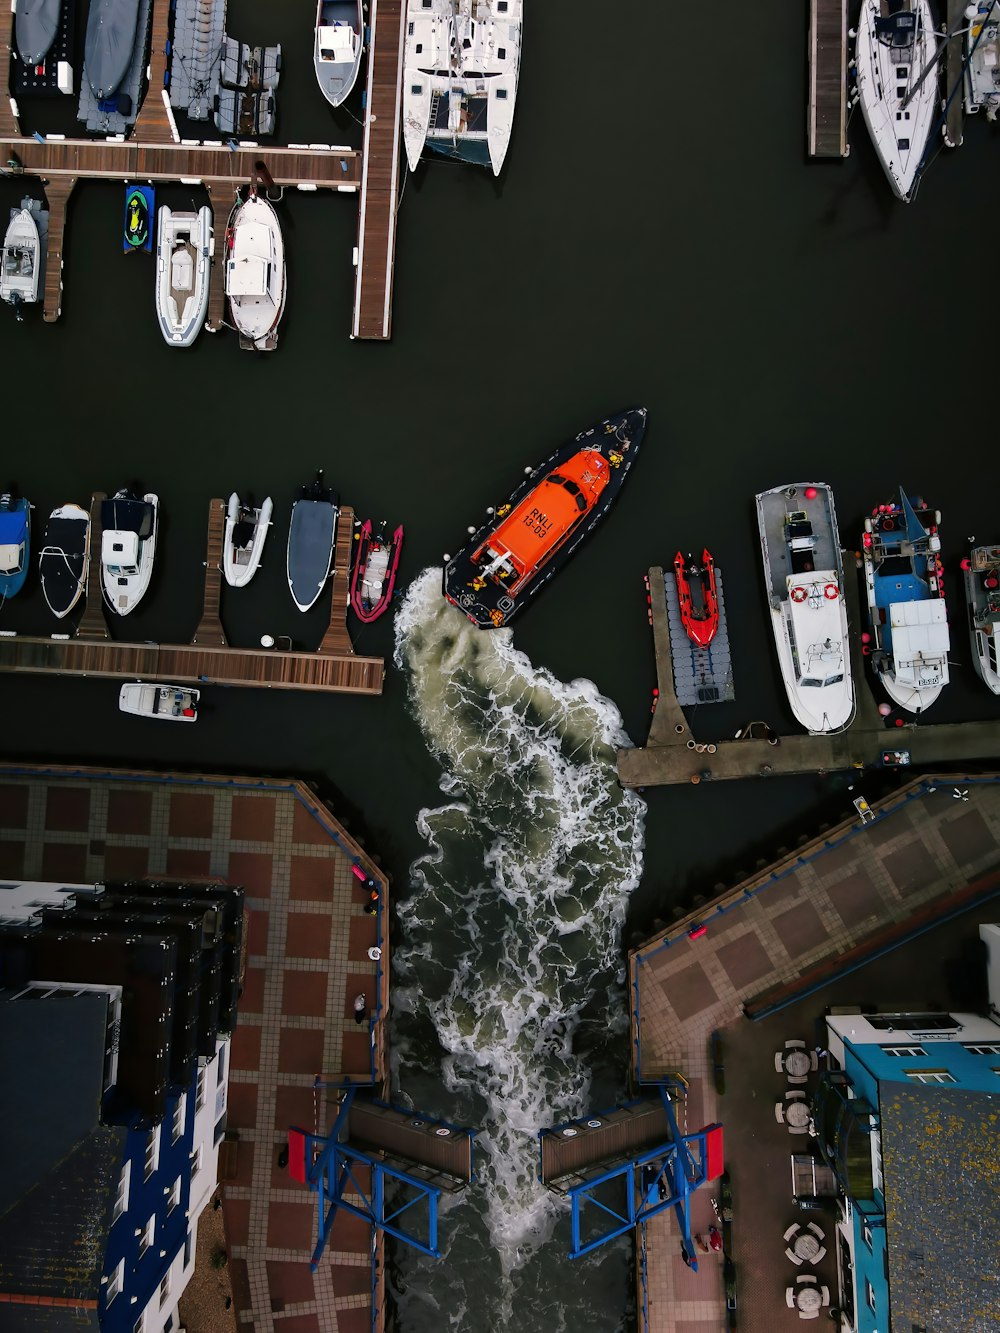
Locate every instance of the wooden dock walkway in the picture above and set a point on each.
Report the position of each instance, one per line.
(155, 124)
(93, 624)
(954, 60)
(57, 195)
(670, 756)
(380, 173)
(210, 625)
(336, 639)
(827, 111)
(221, 201)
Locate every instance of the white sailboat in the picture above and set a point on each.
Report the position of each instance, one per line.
(128, 547)
(255, 273)
(338, 47)
(461, 63)
(982, 48)
(183, 260)
(243, 544)
(21, 264)
(898, 95)
(804, 573)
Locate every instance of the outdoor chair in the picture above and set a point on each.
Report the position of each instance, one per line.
(817, 1231)
(779, 1062)
(792, 1043)
(779, 1113)
(790, 1297)
(791, 1232)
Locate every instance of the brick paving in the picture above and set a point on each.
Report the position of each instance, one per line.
(790, 926)
(307, 957)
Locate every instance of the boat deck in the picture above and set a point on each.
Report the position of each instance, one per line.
(772, 509)
(701, 675)
(827, 111)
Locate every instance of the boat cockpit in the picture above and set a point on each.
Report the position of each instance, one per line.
(800, 541)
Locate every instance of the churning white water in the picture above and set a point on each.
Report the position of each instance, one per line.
(512, 929)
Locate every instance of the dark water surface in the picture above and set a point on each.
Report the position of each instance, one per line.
(658, 238)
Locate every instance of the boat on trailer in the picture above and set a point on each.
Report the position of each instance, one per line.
(243, 541)
(312, 535)
(804, 576)
(697, 597)
(64, 560)
(982, 55)
(165, 703)
(128, 547)
(255, 272)
(460, 68)
(15, 544)
(981, 570)
(183, 261)
(338, 47)
(375, 568)
(532, 536)
(904, 583)
(897, 88)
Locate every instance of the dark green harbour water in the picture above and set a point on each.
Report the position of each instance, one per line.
(657, 238)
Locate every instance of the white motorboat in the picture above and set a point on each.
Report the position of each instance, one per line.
(183, 261)
(165, 703)
(898, 93)
(128, 546)
(21, 265)
(804, 574)
(338, 47)
(461, 61)
(982, 53)
(981, 570)
(64, 560)
(246, 532)
(255, 273)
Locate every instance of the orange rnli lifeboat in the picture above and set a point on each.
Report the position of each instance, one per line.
(543, 522)
(696, 594)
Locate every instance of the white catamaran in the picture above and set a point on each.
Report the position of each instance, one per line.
(804, 574)
(461, 63)
(897, 89)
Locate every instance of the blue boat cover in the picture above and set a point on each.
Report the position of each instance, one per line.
(13, 526)
(310, 548)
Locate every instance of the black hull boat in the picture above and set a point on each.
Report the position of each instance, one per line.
(311, 539)
(63, 562)
(528, 539)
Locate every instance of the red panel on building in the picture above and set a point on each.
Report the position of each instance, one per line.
(297, 1155)
(715, 1161)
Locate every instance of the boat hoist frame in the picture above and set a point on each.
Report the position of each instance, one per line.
(658, 1178)
(332, 1167)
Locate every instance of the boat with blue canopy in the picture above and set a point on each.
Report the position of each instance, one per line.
(15, 544)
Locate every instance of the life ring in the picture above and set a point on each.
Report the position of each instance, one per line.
(799, 594)
(888, 524)
(831, 592)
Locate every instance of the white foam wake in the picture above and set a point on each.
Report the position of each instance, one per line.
(513, 926)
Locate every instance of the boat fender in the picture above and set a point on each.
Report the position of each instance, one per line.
(866, 649)
(967, 564)
(799, 594)
(831, 592)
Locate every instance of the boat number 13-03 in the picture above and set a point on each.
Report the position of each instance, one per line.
(538, 522)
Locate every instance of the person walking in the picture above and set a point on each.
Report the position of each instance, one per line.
(360, 1008)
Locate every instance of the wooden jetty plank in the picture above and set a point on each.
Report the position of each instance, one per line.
(221, 200)
(57, 195)
(194, 664)
(669, 725)
(210, 625)
(93, 623)
(337, 639)
(827, 111)
(8, 121)
(154, 122)
(953, 73)
(380, 174)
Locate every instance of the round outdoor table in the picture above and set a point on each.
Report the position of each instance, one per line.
(808, 1297)
(796, 1063)
(805, 1246)
(797, 1113)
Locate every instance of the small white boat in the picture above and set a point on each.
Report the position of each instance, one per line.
(246, 532)
(21, 261)
(128, 547)
(255, 273)
(460, 67)
(898, 102)
(64, 560)
(183, 260)
(338, 47)
(982, 53)
(804, 574)
(165, 703)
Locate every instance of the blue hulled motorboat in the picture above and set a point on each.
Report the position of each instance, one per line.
(15, 544)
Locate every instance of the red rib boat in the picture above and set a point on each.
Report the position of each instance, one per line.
(374, 571)
(698, 600)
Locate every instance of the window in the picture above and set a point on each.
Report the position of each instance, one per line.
(196, 1161)
(903, 1051)
(188, 1250)
(989, 1048)
(174, 1197)
(930, 1076)
(179, 1112)
(913, 1022)
(115, 1282)
(152, 1152)
(866, 1234)
(869, 1294)
(501, 94)
(199, 1100)
(121, 1199)
(137, 1327)
(146, 1239)
(164, 1289)
(221, 1072)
